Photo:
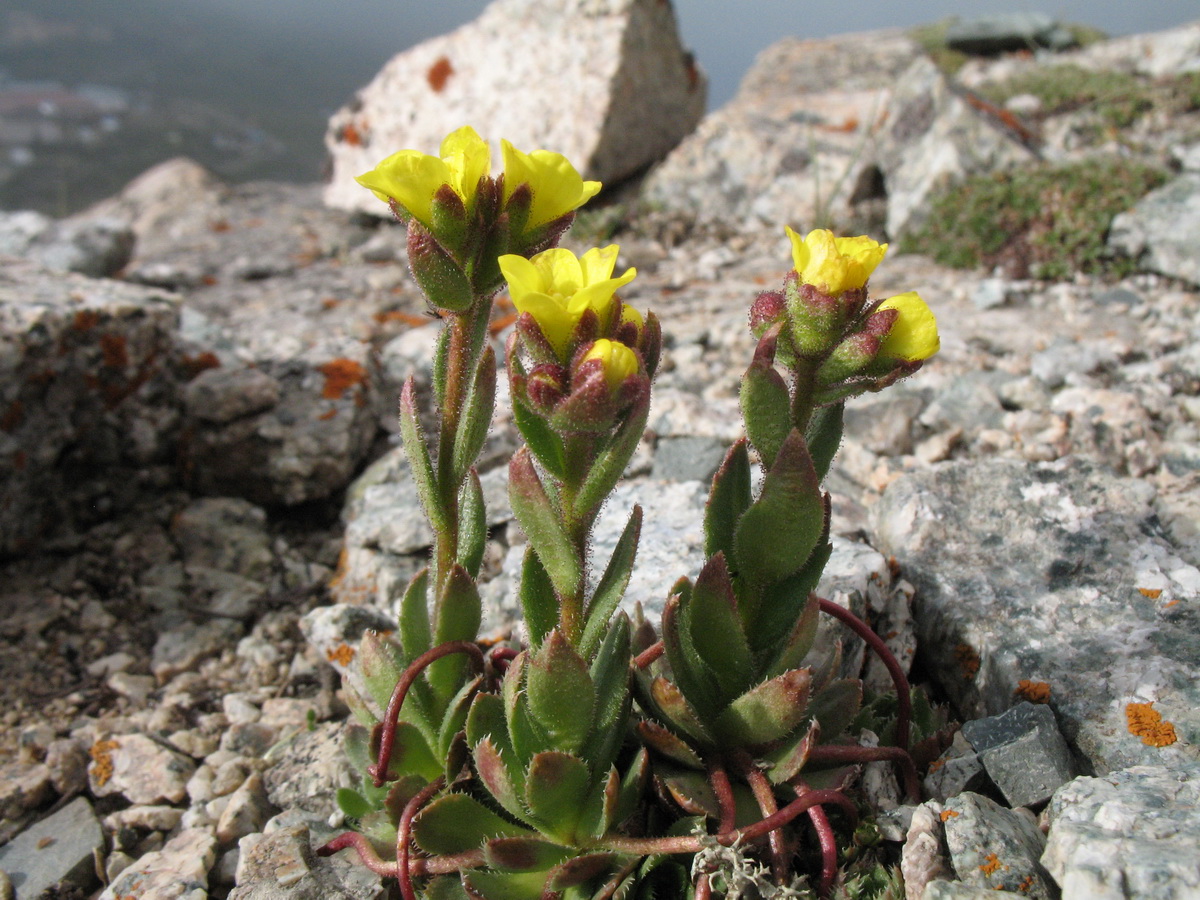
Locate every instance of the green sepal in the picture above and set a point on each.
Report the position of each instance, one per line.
(560, 693)
(728, 499)
(539, 603)
(711, 625)
(824, 436)
(473, 532)
(543, 525)
(836, 706)
(611, 462)
(441, 279)
(780, 529)
(416, 636)
(787, 761)
(767, 712)
(477, 409)
(456, 823)
(524, 854)
(556, 789)
(459, 612)
(612, 584)
(448, 219)
(419, 462)
(766, 404)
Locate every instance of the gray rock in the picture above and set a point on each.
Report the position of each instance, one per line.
(688, 458)
(139, 769)
(23, 787)
(957, 770)
(57, 849)
(87, 397)
(246, 813)
(179, 871)
(1132, 834)
(923, 858)
(996, 848)
(798, 144)
(1006, 33)
(182, 648)
(282, 866)
(956, 890)
(222, 395)
(307, 770)
(336, 631)
(1032, 572)
(67, 762)
(644, 91)
(1156, 230)
(1023, 752)
(97, 247)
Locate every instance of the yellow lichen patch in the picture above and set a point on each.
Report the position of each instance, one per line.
(1033, 691)
(1146, 722)
(968, 660)
(102, 764)
(947, 814)
(991, 864)
(341, 654)
(1152, 593)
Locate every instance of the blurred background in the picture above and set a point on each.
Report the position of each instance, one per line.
(92, 93)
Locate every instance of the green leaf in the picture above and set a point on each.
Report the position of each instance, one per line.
(459, 612)
(691, 672)
(416, 636)
(579, 870)
(499, 777)
(473, 532)
(445, 887)
(668, 744)
(539, 603)
(610, 463)
(381, 663)
(353, 804)
(556, 789)
(691, 791)
(419, 462)
(456, 823)
(600, 810)
(486, 719)
(836, 706)
(561, 693)
(546, 446)
(441, 351)
(766, 406)
(610, 676)
(711, 624)
(412, 755)
(799, 641)
(728, 499)
(677, 712)
(780, 529)
(484, 885)
(457, 710)
(612, 584)
(524, 854)
(478, 406)
(633, 785)
(357, 744)
(767, 712)
(786, 762)
(824, 436)
(543, 525)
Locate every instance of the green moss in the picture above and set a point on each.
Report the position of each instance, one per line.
(1046, 222)
(1119, 97)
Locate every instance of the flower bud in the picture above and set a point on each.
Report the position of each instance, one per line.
(848, 358)
(913, 336)
(442, 280)
(617, 361)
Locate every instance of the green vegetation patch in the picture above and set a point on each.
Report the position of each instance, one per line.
(1047, 222)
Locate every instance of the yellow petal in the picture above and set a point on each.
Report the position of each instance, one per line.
(523, 277)
(834, 264)
(914, 336)
(468, 158)
(410, 178)
(556, 185)
(617, 361)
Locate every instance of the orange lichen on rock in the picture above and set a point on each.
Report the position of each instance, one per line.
(115, 351)
(947, 815)
(991, 864)
(1146, 722)
(340, 375)
(85, 320)
(968, 660)
(1033, 691)
(439, 73)
(342, 654)
(352, 134)
(1151, 593)
(194, 365)
(102, 764)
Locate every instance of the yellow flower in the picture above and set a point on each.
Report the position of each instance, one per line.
(556, 288)
(834, 264)
(411, 178)
(617, 361)
(914, 336)
(556, 185)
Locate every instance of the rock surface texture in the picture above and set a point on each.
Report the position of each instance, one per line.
(605, 82)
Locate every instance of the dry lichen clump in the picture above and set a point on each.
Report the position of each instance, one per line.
(1147, 723)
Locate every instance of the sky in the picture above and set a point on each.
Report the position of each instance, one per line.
(725, 35)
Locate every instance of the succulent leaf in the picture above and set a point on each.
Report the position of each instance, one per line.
(610, 676)
(579, 870)
(561, 694)
(786, 762)
(691, 672)
(556, 789)
(824, 436)
(478, 406)
(456, 823)
(485, 885)
(411, 754)
(836, 706)
(633, 785)
(543, 525)
(677, 712)
(767, 712)
(611, 462)
(472, 536)
(459, 612)
(612, 585)
(798, 642)
(539, 603)
(524, 854)
(381, 663)
(419, 462)
(713, 628)
(728, 499)
(766, 404)
(445, 887)
(416, 634)
(668, 744)
(691, 791)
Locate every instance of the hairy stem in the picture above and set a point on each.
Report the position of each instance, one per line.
(839, 754)
(765, 796)
(826, 839)
(719, 779)
(404, 835)
(649, 655)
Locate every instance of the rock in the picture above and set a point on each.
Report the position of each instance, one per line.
(1155, 231)
(923, 857)
(138, 768)
(307, 770)
(956, 890)
(1157, 54)
(798, 144)
(688, 458)
(306, 445)
(957, 770)
(23, 787)
(97, 247)
(335, 633)
(1054, 573)
(1006, 33)
(996, 848)
(67, 762)
(282, 866)
(58, 849)
(182, 648)
(87, 397)
(179, 871)
(247, 811)
(611, 87)
(1023, 752)
(1133, 834)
